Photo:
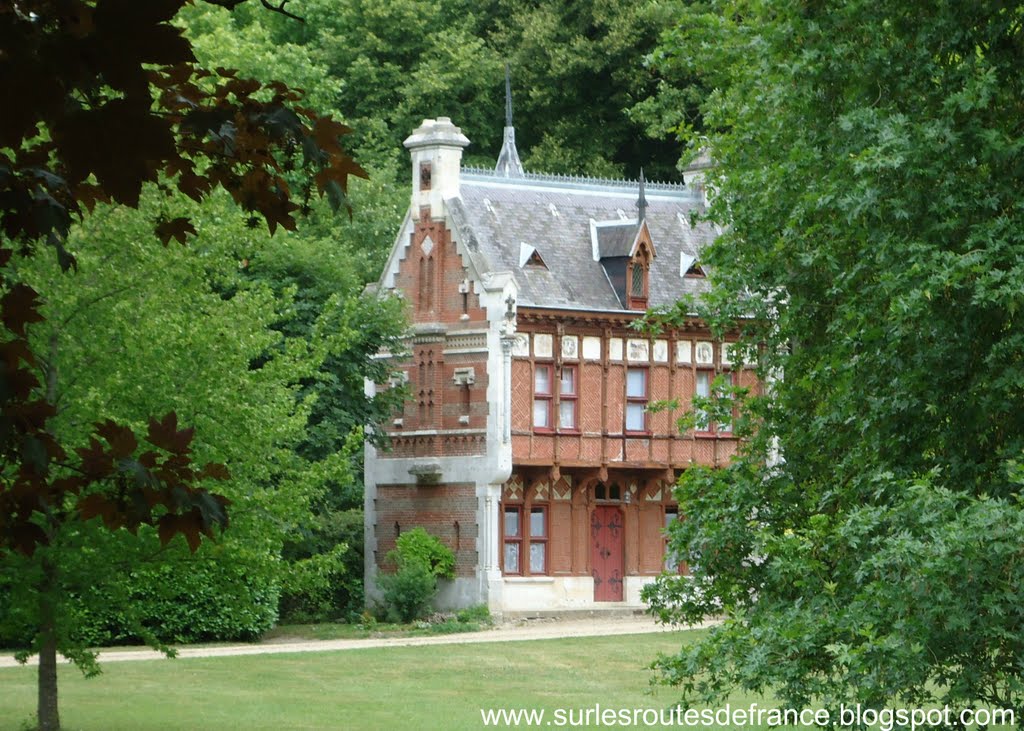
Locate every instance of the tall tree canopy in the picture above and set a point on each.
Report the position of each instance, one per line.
(866, 546)
(578, 75)
(106, 100)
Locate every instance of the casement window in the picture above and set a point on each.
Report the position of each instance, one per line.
(636, 400)
(705, 379)
(638, 285)
(568, 399)
(538, 539)
(672, 563)
(512, 530)
(542, 396)
(529, 531)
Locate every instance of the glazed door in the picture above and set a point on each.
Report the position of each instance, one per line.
(606, 553)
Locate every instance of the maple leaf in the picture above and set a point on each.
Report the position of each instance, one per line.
(120, 438)
(166, 435)
(19, 307)
(176, 228)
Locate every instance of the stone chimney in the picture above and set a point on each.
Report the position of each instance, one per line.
(436, 149)
(695, 172)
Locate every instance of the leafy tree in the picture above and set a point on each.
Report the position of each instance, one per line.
(581, 85)
(865, 547)
(109, 99)
(580, 72)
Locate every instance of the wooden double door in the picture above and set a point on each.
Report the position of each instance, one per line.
(606, 557)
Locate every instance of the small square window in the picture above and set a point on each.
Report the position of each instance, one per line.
(538, 527)
(538, 553)
(567, 415)
(542, 380)
(511, 558)
(541, 414)
(635, 417)
(568, 382)
(636, 383)
(511, 522)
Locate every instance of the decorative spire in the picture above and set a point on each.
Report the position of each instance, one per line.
(641, 202)
(509, 164)
(508, 97)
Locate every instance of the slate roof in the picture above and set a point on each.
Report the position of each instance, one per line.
(615, 239)
(495, 215)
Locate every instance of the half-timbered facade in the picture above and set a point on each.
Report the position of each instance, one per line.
(527, 444)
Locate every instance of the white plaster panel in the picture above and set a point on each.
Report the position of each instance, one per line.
(542, 345)
(684, 351)
(615, 349)
(638, 350)
(521, 346)
(705, 353)
(592, 348)
(570, 347)
(726, 353)
(661, 351)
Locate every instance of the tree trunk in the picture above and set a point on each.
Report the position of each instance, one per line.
(48, 713)
(49, 717)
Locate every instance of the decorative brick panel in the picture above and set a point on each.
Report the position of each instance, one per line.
(651, 552)
(662, 421)
(704, 451)
(568, 448)
(522, 395)
(560, 542)
(590, 405)
(637, 450)
(446, 511)
(543, 447)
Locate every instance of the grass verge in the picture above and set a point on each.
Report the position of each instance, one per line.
(440, 687)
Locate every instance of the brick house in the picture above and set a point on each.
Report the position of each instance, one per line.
(526, 445)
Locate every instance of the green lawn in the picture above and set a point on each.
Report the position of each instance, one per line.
(394, 689)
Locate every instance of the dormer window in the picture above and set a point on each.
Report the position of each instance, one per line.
(530, 257)
(638, 286)
(638, 278)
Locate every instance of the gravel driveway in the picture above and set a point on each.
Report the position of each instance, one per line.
(540, 629)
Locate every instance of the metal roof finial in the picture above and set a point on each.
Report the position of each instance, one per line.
(641, 202)
(509, 164)
(508, 97)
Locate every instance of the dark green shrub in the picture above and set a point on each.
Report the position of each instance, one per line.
(421, 558)
(340, 597)
(478, 614)
(409, 591)
(418, 546)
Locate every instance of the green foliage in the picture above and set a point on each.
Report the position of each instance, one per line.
(183, 602)
(418, 546)
(326, 560)
(477, 614)
(862, 548)
(421, 559)
(580, 79)
(408, 592)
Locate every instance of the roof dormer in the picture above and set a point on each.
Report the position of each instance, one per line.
(638, 271)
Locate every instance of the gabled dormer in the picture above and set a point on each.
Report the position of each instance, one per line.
(638, 270)
(625, 251)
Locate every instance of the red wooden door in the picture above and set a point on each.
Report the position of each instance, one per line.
(606, 553)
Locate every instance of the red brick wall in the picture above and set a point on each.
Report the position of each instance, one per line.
(436, 509)
(569, 537)
(431, 279)
(601, 409)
